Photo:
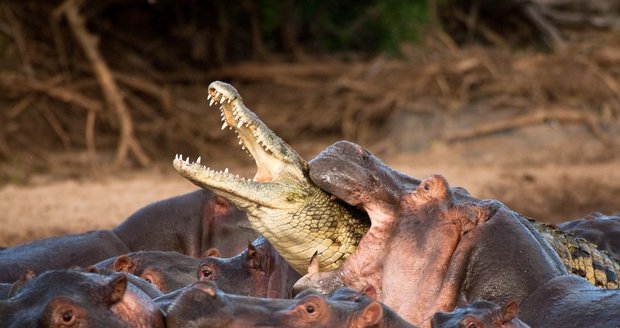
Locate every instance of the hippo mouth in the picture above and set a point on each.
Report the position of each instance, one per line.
(274, 159)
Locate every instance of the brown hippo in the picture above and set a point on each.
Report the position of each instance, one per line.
(601, 229)
(67, 298)
(480, 314)
(165, 270)
(570, 301)
(257, 271)
(59, 253)
(430, 248)
(189, 224)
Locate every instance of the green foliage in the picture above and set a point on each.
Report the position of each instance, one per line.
(347, 25)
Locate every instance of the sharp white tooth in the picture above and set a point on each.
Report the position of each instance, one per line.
(208, 96)
(242, 147)
(198, 160)
(241, 142)
(211, 102)
(228, 100)
(187, 160)
(176, 156)
(224, 125)
(239, 124)
(221, 107)
(226, 170)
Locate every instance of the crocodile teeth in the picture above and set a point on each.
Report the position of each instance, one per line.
(226, 170)
(239, 124)
(187, 160)
(211, 102)
(198, 160)
(224, 125)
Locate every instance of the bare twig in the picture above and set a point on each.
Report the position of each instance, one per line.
(529, 119)
(109, 88)
(89, 134)
(56, 126)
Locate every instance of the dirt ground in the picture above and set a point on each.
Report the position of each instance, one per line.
(536, 131)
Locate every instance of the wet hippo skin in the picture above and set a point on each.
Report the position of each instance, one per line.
(257, 271)
(190, 224)
(65, 298)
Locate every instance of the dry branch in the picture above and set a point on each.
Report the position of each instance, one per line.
(110, 90)
(529, 119)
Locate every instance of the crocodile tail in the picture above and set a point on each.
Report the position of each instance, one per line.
(583, 258)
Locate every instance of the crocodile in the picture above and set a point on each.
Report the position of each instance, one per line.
(299, 218)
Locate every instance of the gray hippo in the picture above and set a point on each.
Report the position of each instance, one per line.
(59, 253)
(480, 314)
(430, 248)
(257, 271)
(167, 271)
(190, 224)
(67, 298)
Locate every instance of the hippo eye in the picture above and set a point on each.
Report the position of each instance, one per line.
(148, 280)
(427, 186)
(67, 316)
(206, 273)
(310, 308)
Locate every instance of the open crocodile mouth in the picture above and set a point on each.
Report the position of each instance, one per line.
(273, 157)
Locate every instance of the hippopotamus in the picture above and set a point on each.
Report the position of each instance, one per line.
(570, 301)
(603, 230)
(190, 224)
(165, 270)
(344, 307)
(65, 298)
(202, 304)
(480, 314)
(59, 252)
(430, 247)
(257, 271)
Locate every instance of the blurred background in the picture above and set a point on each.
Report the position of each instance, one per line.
(514, 100)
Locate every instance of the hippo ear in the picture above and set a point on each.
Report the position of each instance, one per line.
(313, 267)
(23, 279)
(372, 314)
(114, 290)
(510, 311)
(124, 263)
(252, 257)
(370, 291)
(214, 252)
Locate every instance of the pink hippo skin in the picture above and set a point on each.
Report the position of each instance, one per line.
(71, 298)
(257, 271)
(430, 248)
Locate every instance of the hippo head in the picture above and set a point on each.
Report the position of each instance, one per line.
(257, 271)
(66, 298)
(354, 175)
(480, 314)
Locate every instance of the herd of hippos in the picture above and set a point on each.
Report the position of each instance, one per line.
(340, 241)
